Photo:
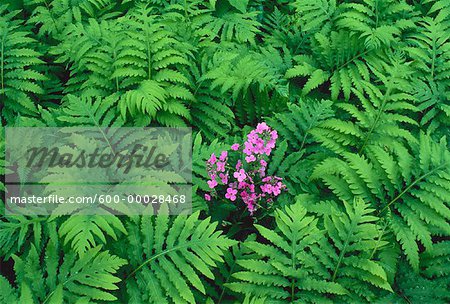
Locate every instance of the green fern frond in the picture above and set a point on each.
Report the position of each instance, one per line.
(19, 62)
(212, 115)
(240, 27)
(296, 124)
(415, 196)
(380, 23)
(430, 50)
(16, 231)
(85, 231)
(172, 257)
(314, 15)
(341, 58)
(91, 110)
(298, 263)
(73, 279)
(235, 71)
(378, 119)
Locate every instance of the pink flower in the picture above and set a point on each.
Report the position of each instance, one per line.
(259, 145)
(250, 158)
(262, 171)
(238, 164)
(223, 177)
(274, 135)
(261, 127)
(250, 206)
(267, 188)
(248, 148)
(252, 136)
(235, 147)
(253, 187)
(212, 160)
(220, 166)
(212, 183)
(223, 155)
(242, 185)
(240, 175)
(276, 190)
(231, 194)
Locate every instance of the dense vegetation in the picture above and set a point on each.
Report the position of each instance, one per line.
(358, 91)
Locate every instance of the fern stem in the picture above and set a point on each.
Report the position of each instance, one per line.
(114, 60)
(149, 60)
(377, 118)
(226, 281)
(91, 116)
(186, 16)
(161, 254)
(434, 58)
(3, 65)
(294, 250)
(378, 242)
(341, 255)
(351, 60)
(376, 13)
(412, 185)
(52, 17)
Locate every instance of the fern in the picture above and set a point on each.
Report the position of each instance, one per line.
(16, 232)
(362, 36)
(314, 15)
(430, 51)
(91, 50)
(54, 16)
(296, 124)
(415, 196)
(293, 160)
(84, 231)
(280, 31)
(432, 283)
(240, 27)
(171, 258)
(90, 277)
(341, 59)
(157, 66)
(236, 72)
(19, 77)
(358, 92)
(212, 115)
(300, 264)
(379, 118)
(379, 22)
(89, 110)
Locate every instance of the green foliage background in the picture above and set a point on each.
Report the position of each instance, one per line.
(357, 89)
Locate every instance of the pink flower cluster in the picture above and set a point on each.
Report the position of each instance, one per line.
(246, 180)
